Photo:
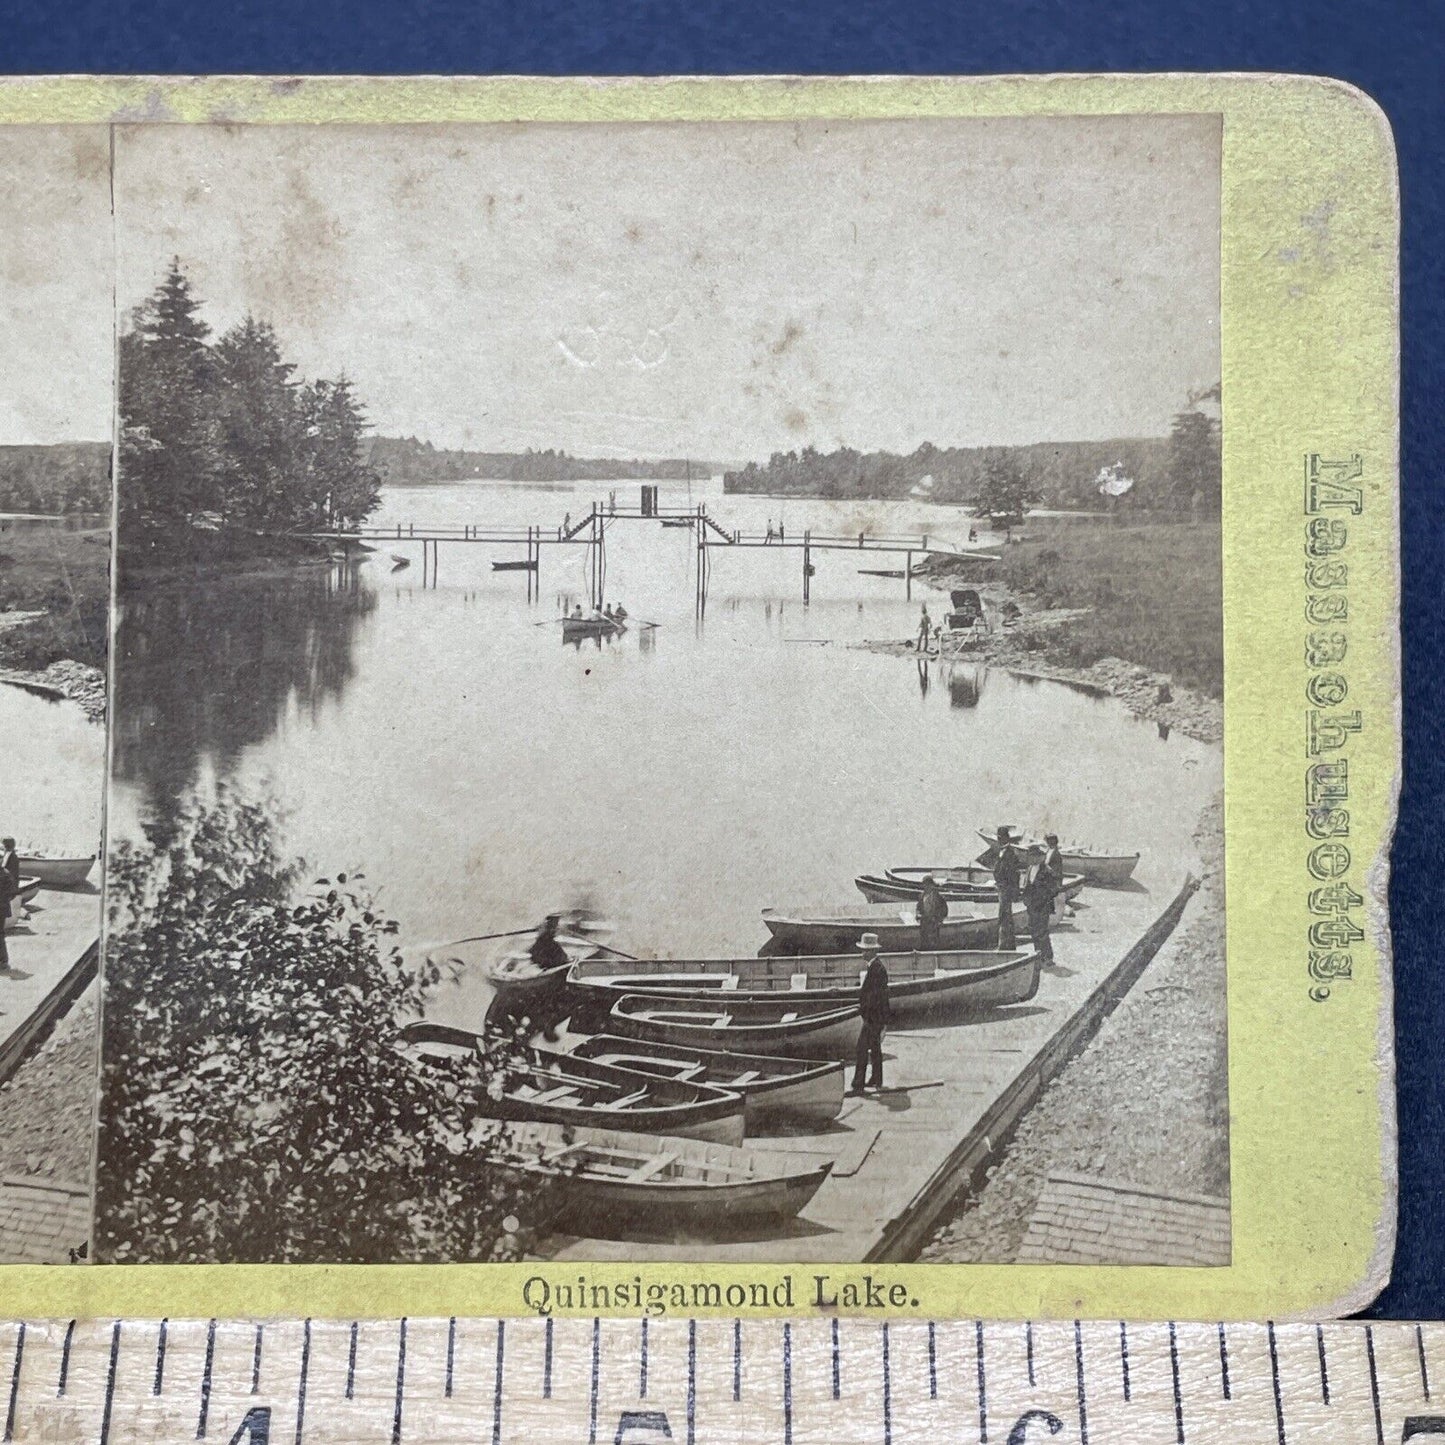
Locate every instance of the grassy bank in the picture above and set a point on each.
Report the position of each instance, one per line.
(65, 577)
(156, 556)
(1149, 591)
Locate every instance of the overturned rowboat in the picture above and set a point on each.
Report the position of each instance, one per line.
(541, 1086)
(1105, 870)
(803, 1028)
(774, 1090)
(55, 871)
(612, 1181)
(922, 987)
(897, 929)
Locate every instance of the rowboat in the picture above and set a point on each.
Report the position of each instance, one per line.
(611, 1180)
(546, 1087)
(57, 872)
(677, 521)
(26, 891)
(791, 1027)
(509, 967)
(798, 1091)
(896, 927)
(973, 883)
(922, 987)
(574, 627)
(527, 566)
(1106, 870)
(398, 561)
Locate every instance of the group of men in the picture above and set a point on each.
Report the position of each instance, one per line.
(1030, 876)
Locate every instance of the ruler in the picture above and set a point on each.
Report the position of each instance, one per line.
(629, 1382)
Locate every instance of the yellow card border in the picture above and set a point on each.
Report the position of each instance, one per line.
(1310, 370)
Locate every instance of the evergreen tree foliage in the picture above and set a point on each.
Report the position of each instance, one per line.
(223, 433)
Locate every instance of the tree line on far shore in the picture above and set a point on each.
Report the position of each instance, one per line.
(400, 460)
(222, 433)
(1178, 474)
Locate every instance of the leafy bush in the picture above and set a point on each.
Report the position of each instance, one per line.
(253, 1105)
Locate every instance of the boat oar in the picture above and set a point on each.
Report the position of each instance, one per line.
(617, 952)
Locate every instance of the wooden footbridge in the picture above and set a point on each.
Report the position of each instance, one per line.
(590, 531)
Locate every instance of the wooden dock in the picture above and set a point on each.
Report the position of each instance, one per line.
(53, 954)
(954, 1093)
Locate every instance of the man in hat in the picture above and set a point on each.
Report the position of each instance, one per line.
(873, 1005)
(1008, 867)
(547, 1004)
(1038, 894)
(931, 910)
(9, 889)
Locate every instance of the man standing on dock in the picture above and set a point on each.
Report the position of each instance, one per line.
(1038, 900)
(1007, 869)
(9, 891)
(925, 630)
(873, 1005)
(931, 910)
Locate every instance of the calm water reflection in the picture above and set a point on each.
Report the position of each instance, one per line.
(682, 777)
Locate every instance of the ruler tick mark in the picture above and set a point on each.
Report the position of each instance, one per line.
(592, 1397)
(1029, 1347)
(642, 1363)
(301, 1383)
(788, 1381)
(351, 1363)
(15, 1381)
(836, 1370)
(1324, 1368)
(160, 1362)
(887, 1391)
(1079, 1378)
(1274, 1378)
(1124, 1359)
(256, 1363)
(1223, 1363)
(1178, 1395)
(691, 1381)
(932, 1364)
(110, 1383)
(1374, 1384)
(206, 1381)
(451, 1351)
(65, 1360)
(737, 1359)
(400, 1382)
(547, 1361)
(982, 1384)
(497, 1394)
(1424, 1368)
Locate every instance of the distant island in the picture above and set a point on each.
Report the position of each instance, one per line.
(402, 461)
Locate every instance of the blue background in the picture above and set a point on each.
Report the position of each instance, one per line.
(1393, 51)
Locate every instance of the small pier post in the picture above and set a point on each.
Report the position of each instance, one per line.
(908, 576)
(807, 567)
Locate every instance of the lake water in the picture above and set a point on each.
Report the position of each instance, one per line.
(480, 771)
(52, 781)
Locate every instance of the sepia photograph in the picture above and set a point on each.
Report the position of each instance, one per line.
(666, 694)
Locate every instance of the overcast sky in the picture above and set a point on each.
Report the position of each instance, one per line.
(56, 284)
(716, 290)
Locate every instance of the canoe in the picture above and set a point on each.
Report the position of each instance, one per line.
(973, 884)
(612, 1181)
(796, 1091)
(57, 872)
(541, 1086)
(1105, 870)
(573, 627)
(922, 987)
(794, 1028)
(896, 927)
